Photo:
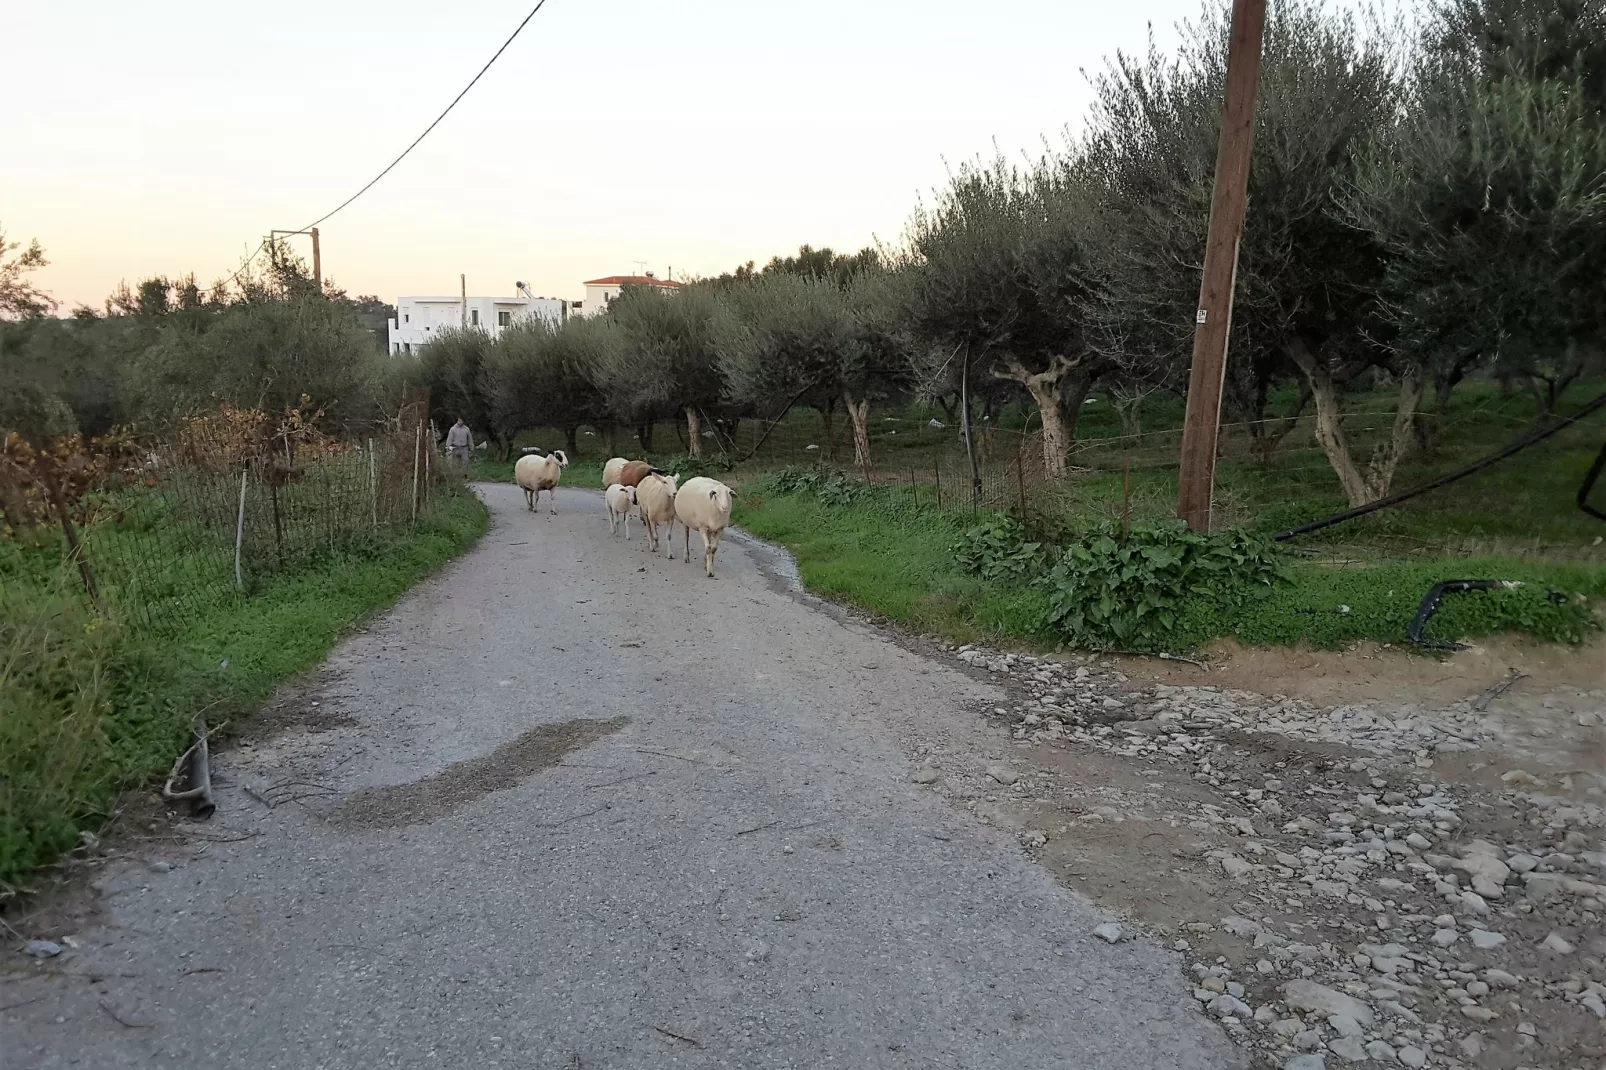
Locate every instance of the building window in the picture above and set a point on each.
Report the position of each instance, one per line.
(504, 318)
(474, 316)
(409, 347)
(407, 317)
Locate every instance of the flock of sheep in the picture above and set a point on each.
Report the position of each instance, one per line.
(636, 487)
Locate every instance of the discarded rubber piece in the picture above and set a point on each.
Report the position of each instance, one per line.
(199, 760)
(1430, 605)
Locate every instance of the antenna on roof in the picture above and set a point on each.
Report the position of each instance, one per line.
(641, 266)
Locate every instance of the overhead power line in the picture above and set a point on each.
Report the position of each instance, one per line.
(433, 125)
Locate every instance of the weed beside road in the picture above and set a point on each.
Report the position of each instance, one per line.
(909, 564)
(94, 705)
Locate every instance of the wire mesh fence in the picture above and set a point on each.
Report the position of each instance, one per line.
(231, 499)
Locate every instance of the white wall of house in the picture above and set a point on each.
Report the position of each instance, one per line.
(420, 319)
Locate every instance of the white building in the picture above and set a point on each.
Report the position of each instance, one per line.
(419, 319)
(601, 292)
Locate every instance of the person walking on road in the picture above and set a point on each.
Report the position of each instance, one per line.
(459, 444)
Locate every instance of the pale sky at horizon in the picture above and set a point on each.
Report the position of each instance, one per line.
(692, 137)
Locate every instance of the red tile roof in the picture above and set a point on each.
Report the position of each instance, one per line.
(630, 280)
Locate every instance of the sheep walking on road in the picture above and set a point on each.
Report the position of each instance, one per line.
(631, 473)
(656, 497)
(703, 504)
(611, 470)
(534, 474)
(621, 501)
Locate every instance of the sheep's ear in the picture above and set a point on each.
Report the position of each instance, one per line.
(711, 494)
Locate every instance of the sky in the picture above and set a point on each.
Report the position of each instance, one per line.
(687, 138)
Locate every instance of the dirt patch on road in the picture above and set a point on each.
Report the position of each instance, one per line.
(462, 782)
(1372, 672)
(304, 703)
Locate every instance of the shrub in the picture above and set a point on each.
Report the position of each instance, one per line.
(831, 487)
(1107, 592)
(713, 464)
(1001, 549)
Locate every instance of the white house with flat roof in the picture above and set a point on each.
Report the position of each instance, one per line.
(601, 292)
(420, 319)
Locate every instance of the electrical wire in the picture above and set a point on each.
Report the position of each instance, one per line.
(433, 125)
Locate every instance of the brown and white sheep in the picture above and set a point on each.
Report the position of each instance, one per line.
(534, 474)
(656, 497)
(703, 504)
(634, 472)
(611, 470)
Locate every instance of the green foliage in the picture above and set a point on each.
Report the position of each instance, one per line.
(92, 706)
(829, 485)
(1001, 549)
(713, 465)
(903, 563)
(1132, 593)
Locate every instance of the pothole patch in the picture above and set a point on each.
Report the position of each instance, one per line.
(460, 783)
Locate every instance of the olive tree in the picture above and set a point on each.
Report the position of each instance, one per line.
(541, 375)
(1000, 272)
(1307, 280)
(668, 363)
(1489, 193)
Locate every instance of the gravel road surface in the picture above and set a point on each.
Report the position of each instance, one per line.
(570, 806)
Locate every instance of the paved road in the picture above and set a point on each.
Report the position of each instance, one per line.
(567, 806)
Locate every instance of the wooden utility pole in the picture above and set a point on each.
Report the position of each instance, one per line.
(1213, 318)
(463, 280)
(317, 261)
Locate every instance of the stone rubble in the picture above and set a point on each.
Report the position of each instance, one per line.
(1388, 927)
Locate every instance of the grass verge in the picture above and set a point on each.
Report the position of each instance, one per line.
(898, 562)
(90, 706)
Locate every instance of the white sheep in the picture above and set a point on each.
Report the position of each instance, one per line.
(656, 497)
(534, 474)
(621, 500)
(610, 471)
(703, 504)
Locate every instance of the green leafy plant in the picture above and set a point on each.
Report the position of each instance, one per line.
(831, 487)
(1134, 593)
(1001, 549)
(713, 464)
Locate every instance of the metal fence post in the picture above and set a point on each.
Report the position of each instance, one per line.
(239, 528)
(418, 445)
(373, 482)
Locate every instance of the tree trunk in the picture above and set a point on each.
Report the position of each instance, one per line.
(859, 413)
(644, 435)
(830, 431)
(1385, 459)
(1430, 425)
(1046, 395)
(610, 435)
(1358, 489)
(694, 431)
(571, 435)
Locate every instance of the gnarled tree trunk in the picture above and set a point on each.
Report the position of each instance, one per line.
(859, 413)
(1047, 389)
(1359, 487)
(694, 432)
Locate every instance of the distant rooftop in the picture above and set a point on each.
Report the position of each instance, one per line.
(630, 280)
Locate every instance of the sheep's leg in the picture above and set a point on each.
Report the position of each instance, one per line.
(613, 523)
(552, 499)
(527, 504)
(710, 545)
(669, 542)
(687, 558)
